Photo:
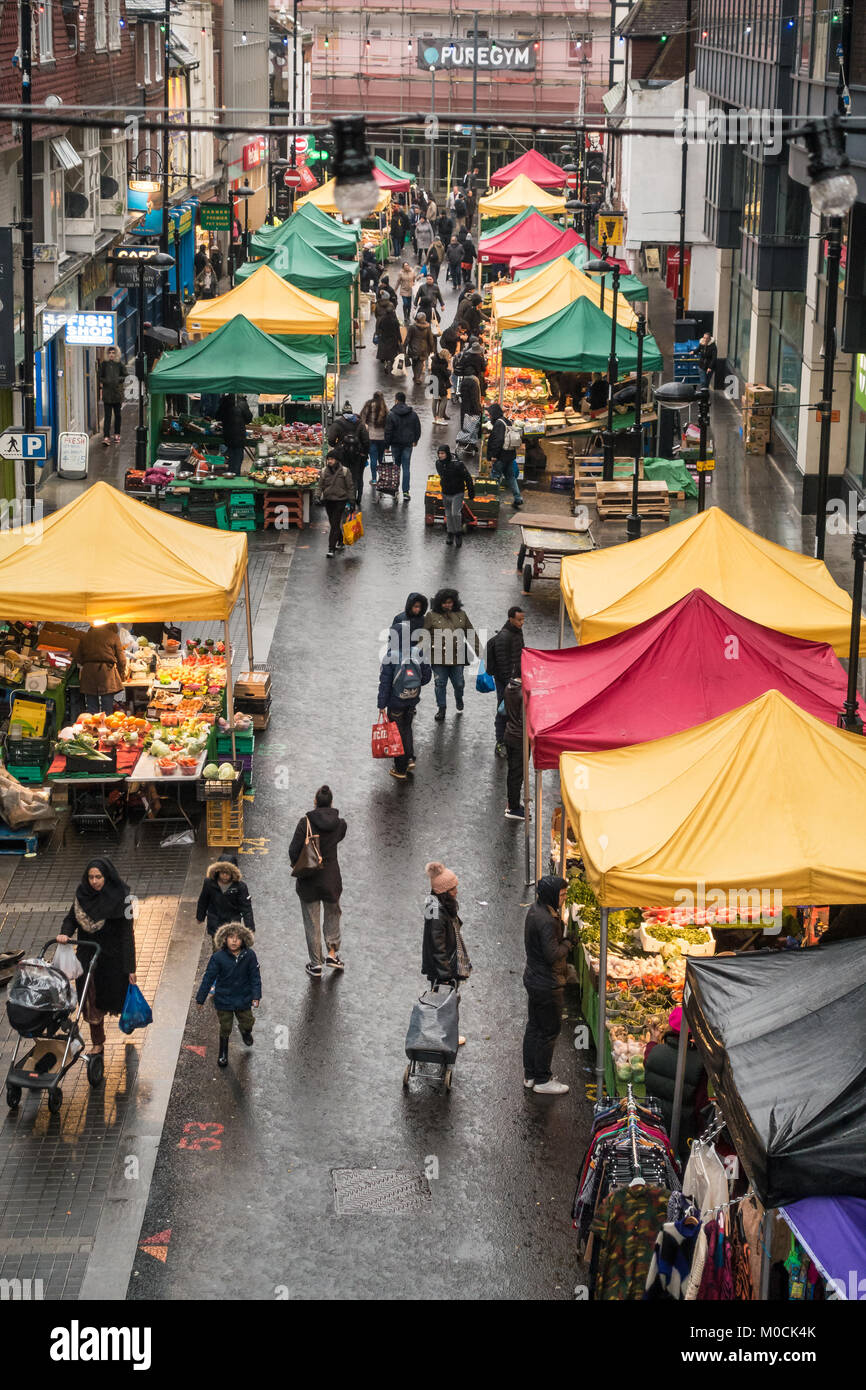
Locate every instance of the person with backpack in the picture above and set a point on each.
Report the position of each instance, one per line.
(350, 441)
(234, 415)
(457, 481)
(320, 889)
(401, 677)
(337, 490)
(428, 299)
(402, 432)
(233, 974)
(460, 210)
(440, 382)
(502, 445)
(451, 632)
(502, 660)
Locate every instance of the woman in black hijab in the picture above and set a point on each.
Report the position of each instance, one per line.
(102, 912)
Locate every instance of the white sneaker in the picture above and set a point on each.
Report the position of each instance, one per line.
(529, 1082)
(550, 1088)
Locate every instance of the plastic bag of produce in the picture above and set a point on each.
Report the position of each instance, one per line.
(20, 806)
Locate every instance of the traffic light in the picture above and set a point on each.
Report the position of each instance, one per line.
(594, 166)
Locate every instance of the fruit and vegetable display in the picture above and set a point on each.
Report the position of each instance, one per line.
(294, 473)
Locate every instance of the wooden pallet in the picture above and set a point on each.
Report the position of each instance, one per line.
(588, 472)
(614, 500)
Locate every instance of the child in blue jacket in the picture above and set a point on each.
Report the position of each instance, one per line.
(233, 970)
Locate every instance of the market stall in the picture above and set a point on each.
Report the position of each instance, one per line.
(711, 824)
(529, 229)
(299, 263)
(698, 659)
(533, 165)
(323, 199)
(518, 195)
(566, 242)
(328, 236)
(630, 286)
(278, 308)
(239, 357)
(618, 587)
(389, 177)
(576, 339)
(546, 292)
(132, 565)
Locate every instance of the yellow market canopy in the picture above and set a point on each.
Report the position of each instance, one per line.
(323, 199)
(271, 303)
(107, 556)
(516, 196)
(551, 289)
(766, 797)
(616, 588)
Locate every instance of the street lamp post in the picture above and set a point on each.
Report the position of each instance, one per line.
(834, 255)
(27, 261)
(244, 193)
(604, 268)
(160, 262)
(166, 149)
(632, 524)
(849, 718)
(432, 123)
(679, 395)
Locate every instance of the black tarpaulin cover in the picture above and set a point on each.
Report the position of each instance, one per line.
(783, 1038)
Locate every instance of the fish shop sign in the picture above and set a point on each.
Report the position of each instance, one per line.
(451, 53)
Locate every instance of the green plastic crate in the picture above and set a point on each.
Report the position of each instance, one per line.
(245, 743)
(30, 775)
(243, 523)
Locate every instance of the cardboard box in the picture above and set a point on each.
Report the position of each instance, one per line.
(759, 394)
(254, 685)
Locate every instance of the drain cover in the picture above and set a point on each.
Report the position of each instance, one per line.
(379, 1189)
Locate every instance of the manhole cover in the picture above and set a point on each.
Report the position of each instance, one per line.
(379, 1189)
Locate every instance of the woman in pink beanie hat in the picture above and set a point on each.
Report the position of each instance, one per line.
(444, 958)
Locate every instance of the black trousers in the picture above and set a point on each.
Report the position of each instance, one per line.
(501, 719)
(515, 776)
(335, 512)
(111, 408)
(403, 719)
(543, 1026)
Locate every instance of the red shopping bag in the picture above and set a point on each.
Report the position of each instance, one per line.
(387, 742)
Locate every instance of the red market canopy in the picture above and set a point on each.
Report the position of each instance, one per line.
(535, 166)
(389, 177)
(533, 232)
(683, 667)
(567, 242)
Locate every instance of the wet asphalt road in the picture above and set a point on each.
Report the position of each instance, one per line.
(321, 1088)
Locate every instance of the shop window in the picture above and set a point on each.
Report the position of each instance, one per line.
(857, 437)
(46, 31)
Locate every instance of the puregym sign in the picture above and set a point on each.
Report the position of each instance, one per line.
(453, 53)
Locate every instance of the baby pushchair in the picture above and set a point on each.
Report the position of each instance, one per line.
(43, 1008)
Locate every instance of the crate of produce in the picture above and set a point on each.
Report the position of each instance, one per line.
(225, 824)
(757, 394)
(215, 789)
(95, 767)
(244, 742)
(133, 480)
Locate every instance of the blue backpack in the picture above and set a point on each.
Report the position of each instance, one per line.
(407, 680)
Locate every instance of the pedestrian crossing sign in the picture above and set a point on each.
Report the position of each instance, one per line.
(609, 228)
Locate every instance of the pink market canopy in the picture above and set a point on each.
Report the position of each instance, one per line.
(528, 235)
(683, 667)
(535, 166)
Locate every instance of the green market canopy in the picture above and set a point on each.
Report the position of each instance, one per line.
(295, 260)
(330, 237)
(239, 357)
(577, 339)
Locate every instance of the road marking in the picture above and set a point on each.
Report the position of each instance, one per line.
(205, 1139)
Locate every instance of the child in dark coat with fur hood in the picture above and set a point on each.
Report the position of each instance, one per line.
(224, 897)
(233, 971)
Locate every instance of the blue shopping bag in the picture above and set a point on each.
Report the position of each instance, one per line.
(137, 1013)
(484, 682)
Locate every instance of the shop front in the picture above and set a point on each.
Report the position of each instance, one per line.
(857, 424)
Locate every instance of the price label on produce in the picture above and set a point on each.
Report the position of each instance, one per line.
(705, 465)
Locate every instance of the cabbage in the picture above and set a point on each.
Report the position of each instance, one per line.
(226, 772)
(211, 772)
(158, 749)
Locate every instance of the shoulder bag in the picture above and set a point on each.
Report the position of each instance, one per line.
(310, 857)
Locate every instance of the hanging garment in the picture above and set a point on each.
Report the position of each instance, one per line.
(625, 1226)
(741, 1264)
(706, 1182)
(672, 1257)
(717, 1280)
